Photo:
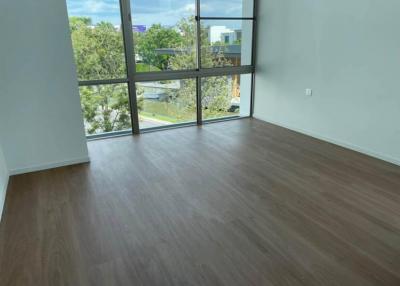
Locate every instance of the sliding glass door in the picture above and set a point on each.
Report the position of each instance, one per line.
(153, 64)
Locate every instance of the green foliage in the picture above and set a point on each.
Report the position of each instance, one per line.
(99, 50)
(76, 23)
(164, 110)
(99, 54)
(157, 37)
(105, 108)
(141, 67)
(216, 97)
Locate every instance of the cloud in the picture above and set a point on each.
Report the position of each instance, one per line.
(147, 12)
(99, 6)
(223, 8)
(160, 11)
(206, 8)
(190, 8)
(76, 7)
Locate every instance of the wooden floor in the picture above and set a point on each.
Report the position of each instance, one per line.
(235, 203)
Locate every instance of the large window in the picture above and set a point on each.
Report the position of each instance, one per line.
(146, 64)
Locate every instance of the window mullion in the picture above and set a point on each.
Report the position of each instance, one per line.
(198, 78)
(253, 57)
(130, 61)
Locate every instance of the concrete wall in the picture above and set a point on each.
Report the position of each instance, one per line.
(41, 123)
(348, 52)
(3, 180)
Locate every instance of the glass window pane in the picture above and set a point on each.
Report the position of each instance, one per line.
(164, 33)
(162, 103)
(97, 39)
(227, 8)
(105, 108)
(226, 96)
(226, 43)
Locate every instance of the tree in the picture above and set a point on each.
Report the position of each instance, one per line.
(105, 108)
(99, 54)
(216, 96)
(76, 23)
(157, 37)
(99, 50)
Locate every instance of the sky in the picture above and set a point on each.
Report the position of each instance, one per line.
(148, 12)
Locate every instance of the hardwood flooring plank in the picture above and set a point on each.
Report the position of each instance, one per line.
(237, 203)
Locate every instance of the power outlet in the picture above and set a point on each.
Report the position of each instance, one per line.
(309, 92)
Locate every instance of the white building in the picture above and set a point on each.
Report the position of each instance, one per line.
(223, 34)
(215, 33)
(231, 37)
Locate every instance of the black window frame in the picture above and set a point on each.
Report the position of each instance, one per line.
(133, 76)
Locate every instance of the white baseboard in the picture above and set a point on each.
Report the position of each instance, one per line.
(3, 191)
(49, 166)
(336, 142)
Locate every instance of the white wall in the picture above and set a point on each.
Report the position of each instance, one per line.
(41, 123)
(3, 180)
(348, 52)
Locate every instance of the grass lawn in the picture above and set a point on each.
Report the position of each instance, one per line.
(173, 113)
(142, 67)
